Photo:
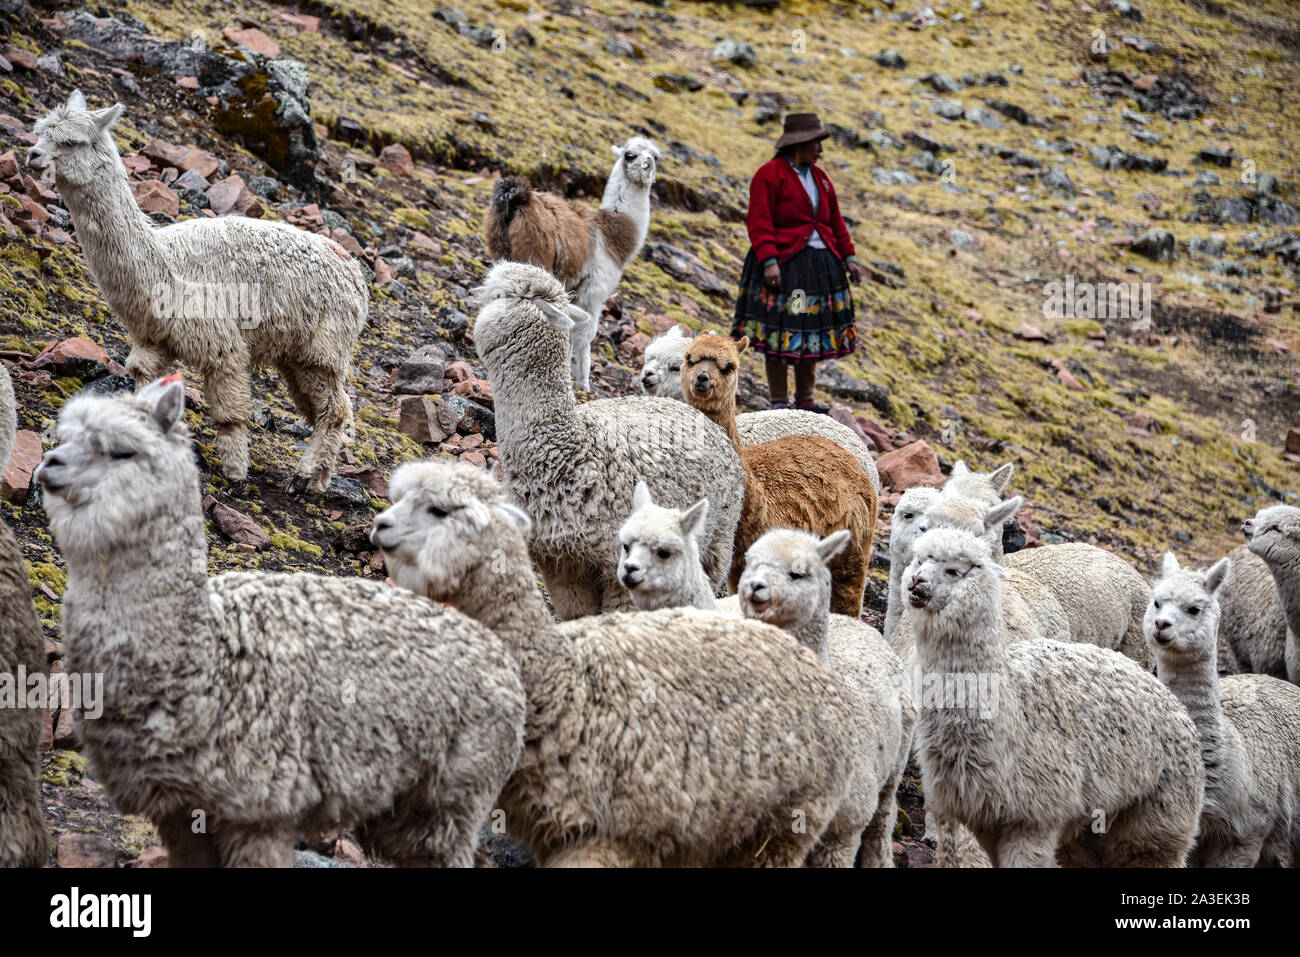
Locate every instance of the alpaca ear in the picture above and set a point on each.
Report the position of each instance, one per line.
(640, 495)
(166, 399)
(76, 101)
(742, 344)
(519, 517)
(582, 319)
(557, 317)
(1000, 570)
(617, 149)
(107, 118)
(959, 468)
(1001, 513)
(1218, 576)
(833, 544)
(693, 518)
(1001, 476)
(1168, 565)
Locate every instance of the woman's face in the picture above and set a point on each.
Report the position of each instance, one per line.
(805, 154)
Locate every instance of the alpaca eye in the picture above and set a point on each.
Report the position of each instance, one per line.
(1156, 604)
(629, 156)
(674, 368)
(626, 548)
(951, 572)
(665, 553)
(121, 456)
(437, 512)
(1194, 610)
(797, 576)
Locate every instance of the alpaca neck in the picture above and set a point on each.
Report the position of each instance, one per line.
(119, 240)
(725, 416)
(894, 600)
(533, 409)
(814, 633)
(1286, 575)
(1195, 683)
(633, 201)
(700, 590)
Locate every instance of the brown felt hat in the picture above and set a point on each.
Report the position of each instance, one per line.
(801, 128)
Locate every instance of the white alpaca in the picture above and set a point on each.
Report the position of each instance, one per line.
(905, 527)
(985, 487)
(1253, 623)
(586, 251)
(222, 295)
(262, 705)
(1033, 745)
(788, 584)
(659, 564)
(658, 738)
(1274, 535)
(1248, 725)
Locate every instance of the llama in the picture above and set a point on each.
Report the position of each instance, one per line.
(262, 704)
(1052, 740)
(659, 738)
(1274, 535)
(660, 561)
(801, 481)
(222, 295)
(1248, 726)
(586, 251)
(573, 467)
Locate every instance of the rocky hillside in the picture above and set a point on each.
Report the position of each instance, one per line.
(983, 152)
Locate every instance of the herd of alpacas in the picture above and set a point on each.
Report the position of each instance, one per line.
(701, 689)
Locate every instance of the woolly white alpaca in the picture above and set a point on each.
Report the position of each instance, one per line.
(904, 529)
(23, 839)
(1253, 623)
(572, 467)
(587, 252)
(788, 584)
(661, 375)
(659, 564)
(1032, 745)
(1274, 535)
(262, 704)
(222, 295)
(656, 738)
(1248, 725)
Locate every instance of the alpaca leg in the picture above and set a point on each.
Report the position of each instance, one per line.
(145, 363)
(796, 832)
(253, 846)
(1027, 847)
(24, 842)
(228, 394)
(956, 845)
(598, 853)
(184, 847)
(333, 414)
(848, 580)
(878, 839)
(839, 845)
(301, 400)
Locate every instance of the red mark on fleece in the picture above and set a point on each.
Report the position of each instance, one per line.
(174, 377)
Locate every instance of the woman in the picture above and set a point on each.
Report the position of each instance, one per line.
(795, 305)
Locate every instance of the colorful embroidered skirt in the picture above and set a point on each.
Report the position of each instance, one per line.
(810, 319)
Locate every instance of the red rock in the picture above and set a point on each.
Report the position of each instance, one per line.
(9, 169)
(631, 351)
(1141, 421)
(306, 217)
(187, 82)
(425, 418)
(1031, 333)
(66, 735)
(660, 323)
(235, 525)
(20, 57)
(372, 480)
(137, 164)
(201, 162)
(32, 211)
(877, 433)
(163, 153)
(1277, 345)
(42, 192)
(85, 850)
(425, 244)
(396, 158)
(254, 39)
(346, 240)
(1293, 441)
(152, 857)
(300, 20)
(974, 315)
(17, 478)
(474, 457)
(1068, 379)
(913, 464)
(1145, 82)
(384, 273)
(900, 854)
(73, 348)
(480, 390)
(153, 197)
(232, 196)
(459, 372)
(472, 441)
(844, 415)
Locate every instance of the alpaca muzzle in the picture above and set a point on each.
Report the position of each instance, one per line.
(1248, 528)
(919, 594)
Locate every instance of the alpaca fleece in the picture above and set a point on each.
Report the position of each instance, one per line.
(585, 250)
(863, 829)
(269, 707)
(661, 375)
(1252, 624)
(669, 737)
(1274, 535)
(175, 289)
(573, 467)
(1249, 726)
(1072, 736)
(802, 481)
(8, 417)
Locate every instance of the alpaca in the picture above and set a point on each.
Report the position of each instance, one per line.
(1252, 624)
(659, 738)
(787, 583)
(661, 375)
(260, 704)
(1274, 535)
(586, 251)
(904, 529)
(660, 561)
(1040, 745)
(222, 295)
(801, 481)
(23, 838)
(1248, 726)
(985, 487)
(573, 467)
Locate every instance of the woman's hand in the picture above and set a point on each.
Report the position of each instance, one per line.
(856, 272)
(772, 276)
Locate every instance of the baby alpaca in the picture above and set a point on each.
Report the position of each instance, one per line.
(788, 584)
(222, 295)
(660, 560)
(1274, 535)
(659, 738)
(1249, 727)
(262, 704)
(802, 481)
(1052, 738)
(586, 251)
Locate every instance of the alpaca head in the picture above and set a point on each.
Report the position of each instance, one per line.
(1182, 618)
(119, 461)
(710, 371)
(661, 373)
(986, 487)
(786, 581)
(971, 516)
(75, 145)
(909, 516)
(660, 549)
(1274, 535)
(525, 323)
(447, 528)
(638, 159)
(951, 569)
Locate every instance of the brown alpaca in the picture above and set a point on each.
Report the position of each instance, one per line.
(800, 481)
